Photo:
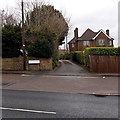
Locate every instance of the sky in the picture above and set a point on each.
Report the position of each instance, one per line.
(83, 14)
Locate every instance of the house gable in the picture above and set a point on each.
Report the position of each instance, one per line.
(87, 35)
(101, 31)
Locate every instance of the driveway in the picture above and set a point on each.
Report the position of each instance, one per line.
(66, 68)
(69, 68)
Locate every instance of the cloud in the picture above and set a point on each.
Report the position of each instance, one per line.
(94, 14)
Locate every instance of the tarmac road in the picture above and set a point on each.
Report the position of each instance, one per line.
(57, 105)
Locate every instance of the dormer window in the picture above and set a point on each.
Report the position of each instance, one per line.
(101, 42)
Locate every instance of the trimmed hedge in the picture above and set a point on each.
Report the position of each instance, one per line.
(103, 51)
(99, 51)
(82, 57)
(78, 56)
(64, 56)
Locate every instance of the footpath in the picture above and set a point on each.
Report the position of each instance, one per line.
(68, 78)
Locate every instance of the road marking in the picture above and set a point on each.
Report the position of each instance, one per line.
(25, 110)
(25, 75)
(87, 77)
(69, 76)
(56, 76)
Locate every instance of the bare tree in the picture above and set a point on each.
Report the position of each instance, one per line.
(46, 14)
(7, 18)
(40, 13)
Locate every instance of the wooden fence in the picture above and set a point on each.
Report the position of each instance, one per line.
(105, 64)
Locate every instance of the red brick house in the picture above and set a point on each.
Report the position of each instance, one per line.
(90, 39)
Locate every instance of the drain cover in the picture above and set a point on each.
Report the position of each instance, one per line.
(7, 84)
(3, 84)
(98, 95)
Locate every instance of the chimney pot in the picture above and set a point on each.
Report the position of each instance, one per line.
(107, 32)
(76, 33)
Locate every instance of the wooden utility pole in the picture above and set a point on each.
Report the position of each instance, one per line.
(66, 45)
(23, 37)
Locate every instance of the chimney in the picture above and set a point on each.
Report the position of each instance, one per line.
(76, 33)
(107, 32)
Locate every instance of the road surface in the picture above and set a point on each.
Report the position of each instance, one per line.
(29, 104)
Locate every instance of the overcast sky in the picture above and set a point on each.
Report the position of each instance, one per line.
(93, 14)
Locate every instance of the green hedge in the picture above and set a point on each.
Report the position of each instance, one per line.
(82, 57)
(64, 56)
(100, 51)
(78, 56)
(103, 51)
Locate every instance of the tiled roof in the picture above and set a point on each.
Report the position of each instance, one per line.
(88, 35)
(72, 41)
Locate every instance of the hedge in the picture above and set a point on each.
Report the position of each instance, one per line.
(64, 56)
(78, 56)
(103, 51)
(82, 57)
(99, 51)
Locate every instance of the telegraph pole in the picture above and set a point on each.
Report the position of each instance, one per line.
(66, 45)
(23, 37)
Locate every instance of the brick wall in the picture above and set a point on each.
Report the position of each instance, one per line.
(12, 63)
(45, 64)
(17, 64)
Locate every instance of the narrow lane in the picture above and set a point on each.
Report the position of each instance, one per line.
(69, 68)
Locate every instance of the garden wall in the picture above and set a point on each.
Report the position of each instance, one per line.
(17, 64)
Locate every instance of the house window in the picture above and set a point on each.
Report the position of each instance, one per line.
(110, 43)
(73, 45)
(101, 42)
(86, 43)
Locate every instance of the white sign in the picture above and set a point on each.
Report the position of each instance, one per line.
(34, 61)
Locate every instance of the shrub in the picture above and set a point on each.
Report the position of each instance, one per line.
(103, 51)
(55, 59)
(43, 43)
(100, 51)
(78, 56)
(40, 49)
(11, 41)
(64, 56)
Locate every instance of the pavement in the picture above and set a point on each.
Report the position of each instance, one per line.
(68, 78)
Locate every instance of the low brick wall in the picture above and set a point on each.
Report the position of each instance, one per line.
(17, 64)
(45, 64)
(12, 63)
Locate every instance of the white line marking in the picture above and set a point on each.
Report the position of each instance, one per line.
(87, 77)
(25, 110)
(25, 75)
(69, 76)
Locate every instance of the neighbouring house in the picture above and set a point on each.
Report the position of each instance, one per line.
(90, 39)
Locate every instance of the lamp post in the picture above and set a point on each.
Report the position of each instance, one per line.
(23, 38)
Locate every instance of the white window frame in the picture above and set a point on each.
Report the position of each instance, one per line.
(110, 42)
(86, 43)
(101, 42)
(73, 45)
